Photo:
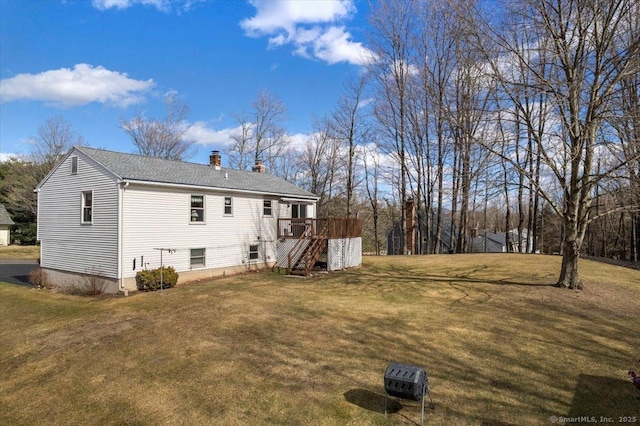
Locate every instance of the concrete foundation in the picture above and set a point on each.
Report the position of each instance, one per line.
(68, 280)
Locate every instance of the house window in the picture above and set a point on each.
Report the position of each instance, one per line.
(74, 165)
(267, 209)
(87, 207)
(253, 251)
(228, 206)
(298, 211)
(197, 208)
(197, 257)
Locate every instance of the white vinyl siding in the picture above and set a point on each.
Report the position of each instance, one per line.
(66, 243)
(226, 242)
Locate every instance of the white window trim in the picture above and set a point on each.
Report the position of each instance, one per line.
(83, 206)
(204, 258)
(74, 159)
(204, 210)
(270, 207)
(257, 252)
(224, 206)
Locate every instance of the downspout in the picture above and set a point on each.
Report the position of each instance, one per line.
(37, 191)
(123, 185)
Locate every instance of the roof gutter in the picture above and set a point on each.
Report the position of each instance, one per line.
(285, 197)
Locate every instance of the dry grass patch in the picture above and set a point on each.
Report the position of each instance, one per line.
(500, 346)
(20, 252)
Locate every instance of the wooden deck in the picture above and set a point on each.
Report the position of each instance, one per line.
(350, 227)
(307, 239)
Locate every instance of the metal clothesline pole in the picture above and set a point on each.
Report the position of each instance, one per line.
(169, 250)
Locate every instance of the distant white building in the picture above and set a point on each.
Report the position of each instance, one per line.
(5, 226)
(107, 214)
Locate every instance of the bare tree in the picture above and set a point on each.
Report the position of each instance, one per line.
(262, 135)
(588, 53)
(55, 137)
(437, 46)
(348, 125)
(161, 138)
(393, 25)
(241, 148)
(320, 161)
(371, 161)
(626, 122)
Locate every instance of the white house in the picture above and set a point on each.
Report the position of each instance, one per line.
(107, 214)
(5, 226)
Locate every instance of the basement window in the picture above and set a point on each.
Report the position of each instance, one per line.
(253, 252)
(197, 257)
(197, 208)
(87, 207)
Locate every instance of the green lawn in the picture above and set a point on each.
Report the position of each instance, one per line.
(500, 346)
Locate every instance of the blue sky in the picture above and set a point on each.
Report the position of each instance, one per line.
(94, 62)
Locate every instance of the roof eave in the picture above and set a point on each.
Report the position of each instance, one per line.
(283, 196)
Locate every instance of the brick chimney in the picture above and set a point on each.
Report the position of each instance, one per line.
(259, 167)
(214, 159)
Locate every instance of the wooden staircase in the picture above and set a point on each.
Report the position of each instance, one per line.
(306, 251)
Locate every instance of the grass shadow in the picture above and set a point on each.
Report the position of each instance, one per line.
(598, 396)
(371, 401)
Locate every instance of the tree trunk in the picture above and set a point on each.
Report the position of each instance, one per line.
(569, 277)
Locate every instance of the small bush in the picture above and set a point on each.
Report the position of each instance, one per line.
(149, 280)
(38, 279)
(91, 285)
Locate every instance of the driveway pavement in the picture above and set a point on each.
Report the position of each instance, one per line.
(16, 271)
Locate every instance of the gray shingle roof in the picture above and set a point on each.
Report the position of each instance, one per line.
(5, 219)
(148, 169)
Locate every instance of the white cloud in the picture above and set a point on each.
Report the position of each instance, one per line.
(6, 156)
(277, 15)
(299, 141)
(309, 26)
(335, 45)
(162, 5)
(78, 86)
(204, 135)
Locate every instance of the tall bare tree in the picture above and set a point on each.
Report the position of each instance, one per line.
(588, 52)
(320, 162)
(262, 135)
(371, 162)
(161, 138)
(54, 138)
(393, 26)
(437, 47)
(348, 125)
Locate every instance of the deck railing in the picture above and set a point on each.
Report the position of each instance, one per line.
(342, 227)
